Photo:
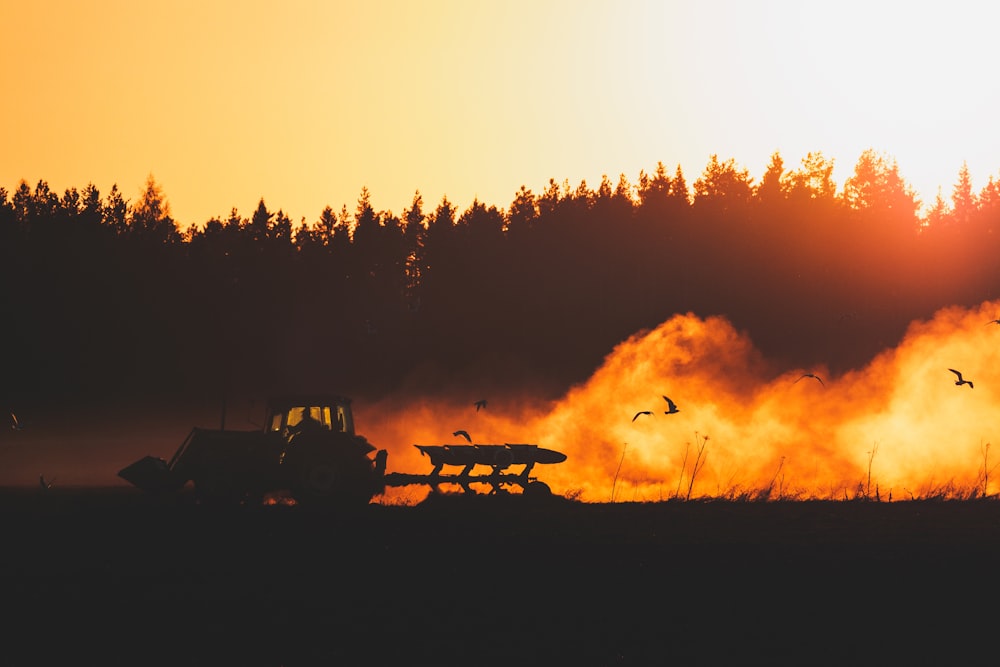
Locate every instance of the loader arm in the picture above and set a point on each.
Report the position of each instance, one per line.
(180, 450)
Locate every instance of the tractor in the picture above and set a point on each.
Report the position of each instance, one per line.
(308, 448)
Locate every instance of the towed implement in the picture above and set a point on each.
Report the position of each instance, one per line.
(497, 459)
(308, 448)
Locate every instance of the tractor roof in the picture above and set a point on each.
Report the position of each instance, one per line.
(286, 401)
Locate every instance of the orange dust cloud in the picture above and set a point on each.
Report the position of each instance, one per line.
(896, 429)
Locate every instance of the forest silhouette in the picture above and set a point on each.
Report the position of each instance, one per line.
(108, 299)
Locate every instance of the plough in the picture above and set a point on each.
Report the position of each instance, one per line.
(498, 459)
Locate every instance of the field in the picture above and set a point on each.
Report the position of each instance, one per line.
(111, 576)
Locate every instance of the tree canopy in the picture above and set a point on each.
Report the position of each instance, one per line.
(109, 296)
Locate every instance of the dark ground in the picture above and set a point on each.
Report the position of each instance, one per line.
(93, 576)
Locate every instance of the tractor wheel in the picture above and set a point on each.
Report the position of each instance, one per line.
(333, 483)
(537, 491)
(218, 489)
(320, 480)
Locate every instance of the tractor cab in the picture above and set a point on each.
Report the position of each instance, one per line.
(290, 415)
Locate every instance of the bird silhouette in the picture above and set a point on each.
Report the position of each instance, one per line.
(642, 412)
(960, 381)
(464, 434)
(671, 407)
(812, 375)
(15, 424)
(481, 403)
(996, 321)
(45, 485)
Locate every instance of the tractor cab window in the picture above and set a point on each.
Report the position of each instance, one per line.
(305, 417)
(276, 419)
(329, 416)
(341, 420)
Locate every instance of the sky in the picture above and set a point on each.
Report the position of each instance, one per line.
(304, 103)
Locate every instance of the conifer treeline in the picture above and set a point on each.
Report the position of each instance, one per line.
(110, 298)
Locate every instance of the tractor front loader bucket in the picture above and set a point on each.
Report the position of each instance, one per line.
(151, 473)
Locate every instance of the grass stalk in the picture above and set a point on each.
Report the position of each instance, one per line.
(770, 487)
(614, 481)
(871, 457)
(987, 470)
(699, 463)
(680, 477)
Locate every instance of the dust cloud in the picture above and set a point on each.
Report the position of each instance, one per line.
(895, 429)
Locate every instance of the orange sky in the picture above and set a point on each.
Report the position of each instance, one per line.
(304, 103)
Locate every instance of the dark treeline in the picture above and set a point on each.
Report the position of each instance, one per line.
(110, 298)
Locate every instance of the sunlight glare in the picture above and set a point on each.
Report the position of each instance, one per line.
(899, 426)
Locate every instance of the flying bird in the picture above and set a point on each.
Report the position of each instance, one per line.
(671, 407)
(642, 412)
(960, 381)
(812, 375)
(996, 321)
(15, 424)
(45, 485)
(481, 403)
(464, 434)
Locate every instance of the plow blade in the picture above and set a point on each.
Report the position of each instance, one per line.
(152, 474)
(525, 454)
(498, 456)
